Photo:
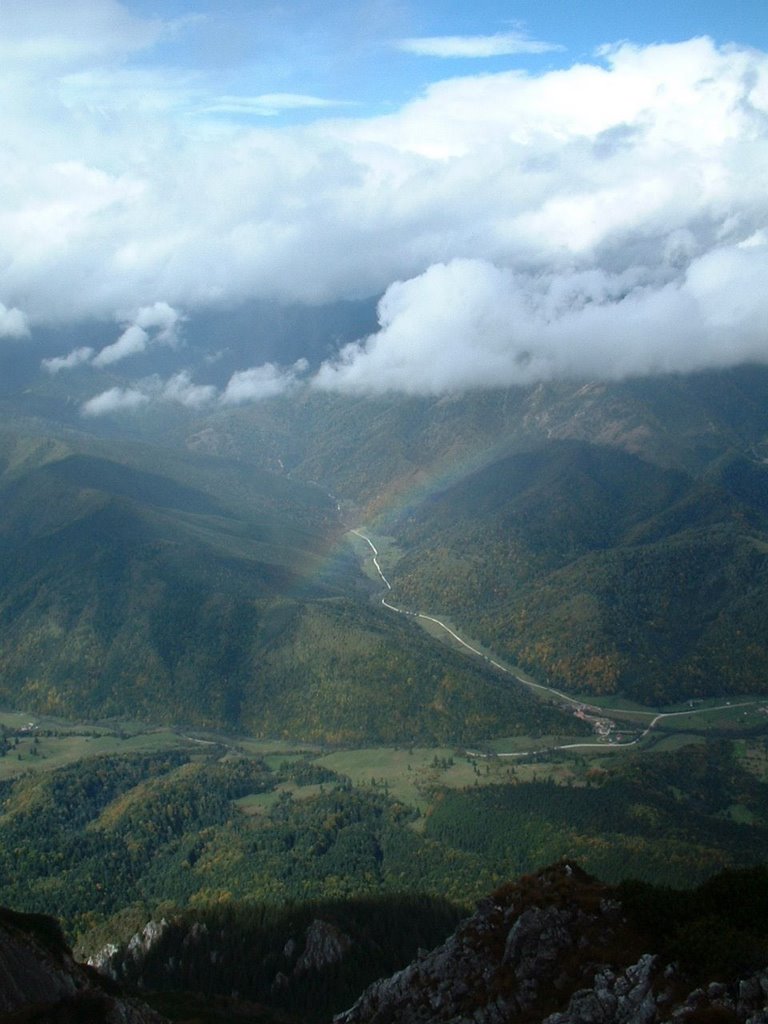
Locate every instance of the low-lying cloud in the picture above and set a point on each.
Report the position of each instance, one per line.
(77, 357)
(470, 324)
(603, 219)
(252, 385)
(115, 400)
(261, 382)
(13, 323)
(157, 324)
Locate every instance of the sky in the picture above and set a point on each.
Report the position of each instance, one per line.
(530, 191)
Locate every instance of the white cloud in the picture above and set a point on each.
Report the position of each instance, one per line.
(260, 382)
(164, 318)
(178, 389)
(156, 324)
(13, 323)
(181, 390)
(470, 324)
(251, 385)
(133, 340)
(77, 357)
(114, 400)
(499, 45)
(642, 169)
(39, 33)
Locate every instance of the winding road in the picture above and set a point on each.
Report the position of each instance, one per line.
(579, 705)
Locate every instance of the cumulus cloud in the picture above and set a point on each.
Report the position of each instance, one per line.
(251, 385)
(181, 390)
(13, 323)
(156, 324)
(499, 45)
(470, 324)
(178, 389)
(134, 339)
(114, 400)
(604, 194)
(261, 382)
(163, 319)
(77, 357)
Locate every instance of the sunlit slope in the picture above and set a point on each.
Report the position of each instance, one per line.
(602, 571)
(350, 673)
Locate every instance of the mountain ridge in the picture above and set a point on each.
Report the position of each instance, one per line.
(559, 947)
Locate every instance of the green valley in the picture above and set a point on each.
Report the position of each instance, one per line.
(175, 597)
(595, 689)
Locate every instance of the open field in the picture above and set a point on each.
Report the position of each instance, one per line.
(39, 742)
(521, 744)
(256, 804)
(408, 774)
(709, 710)
(50, 745)
(412, 775)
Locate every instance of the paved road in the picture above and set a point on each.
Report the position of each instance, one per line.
(594, 711)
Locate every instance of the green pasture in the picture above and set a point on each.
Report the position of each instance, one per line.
(407, 775)
(695, 711)
(41, 742)
(39, 751)
(530, 744)
(257, 804)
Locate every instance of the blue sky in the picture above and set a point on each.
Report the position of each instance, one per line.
(530, 191)
(348, 51)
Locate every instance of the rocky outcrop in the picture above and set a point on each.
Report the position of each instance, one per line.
(41, 983)
(643, 995)
(555, 948)
(324, 944)
(118, 964)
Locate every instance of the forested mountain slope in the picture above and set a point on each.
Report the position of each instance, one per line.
(380, 450)
(608, 536)
(160, 591)
(600, 570)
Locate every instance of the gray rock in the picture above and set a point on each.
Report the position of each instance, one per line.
(39, 975)
(325, 944)
(537, 953)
